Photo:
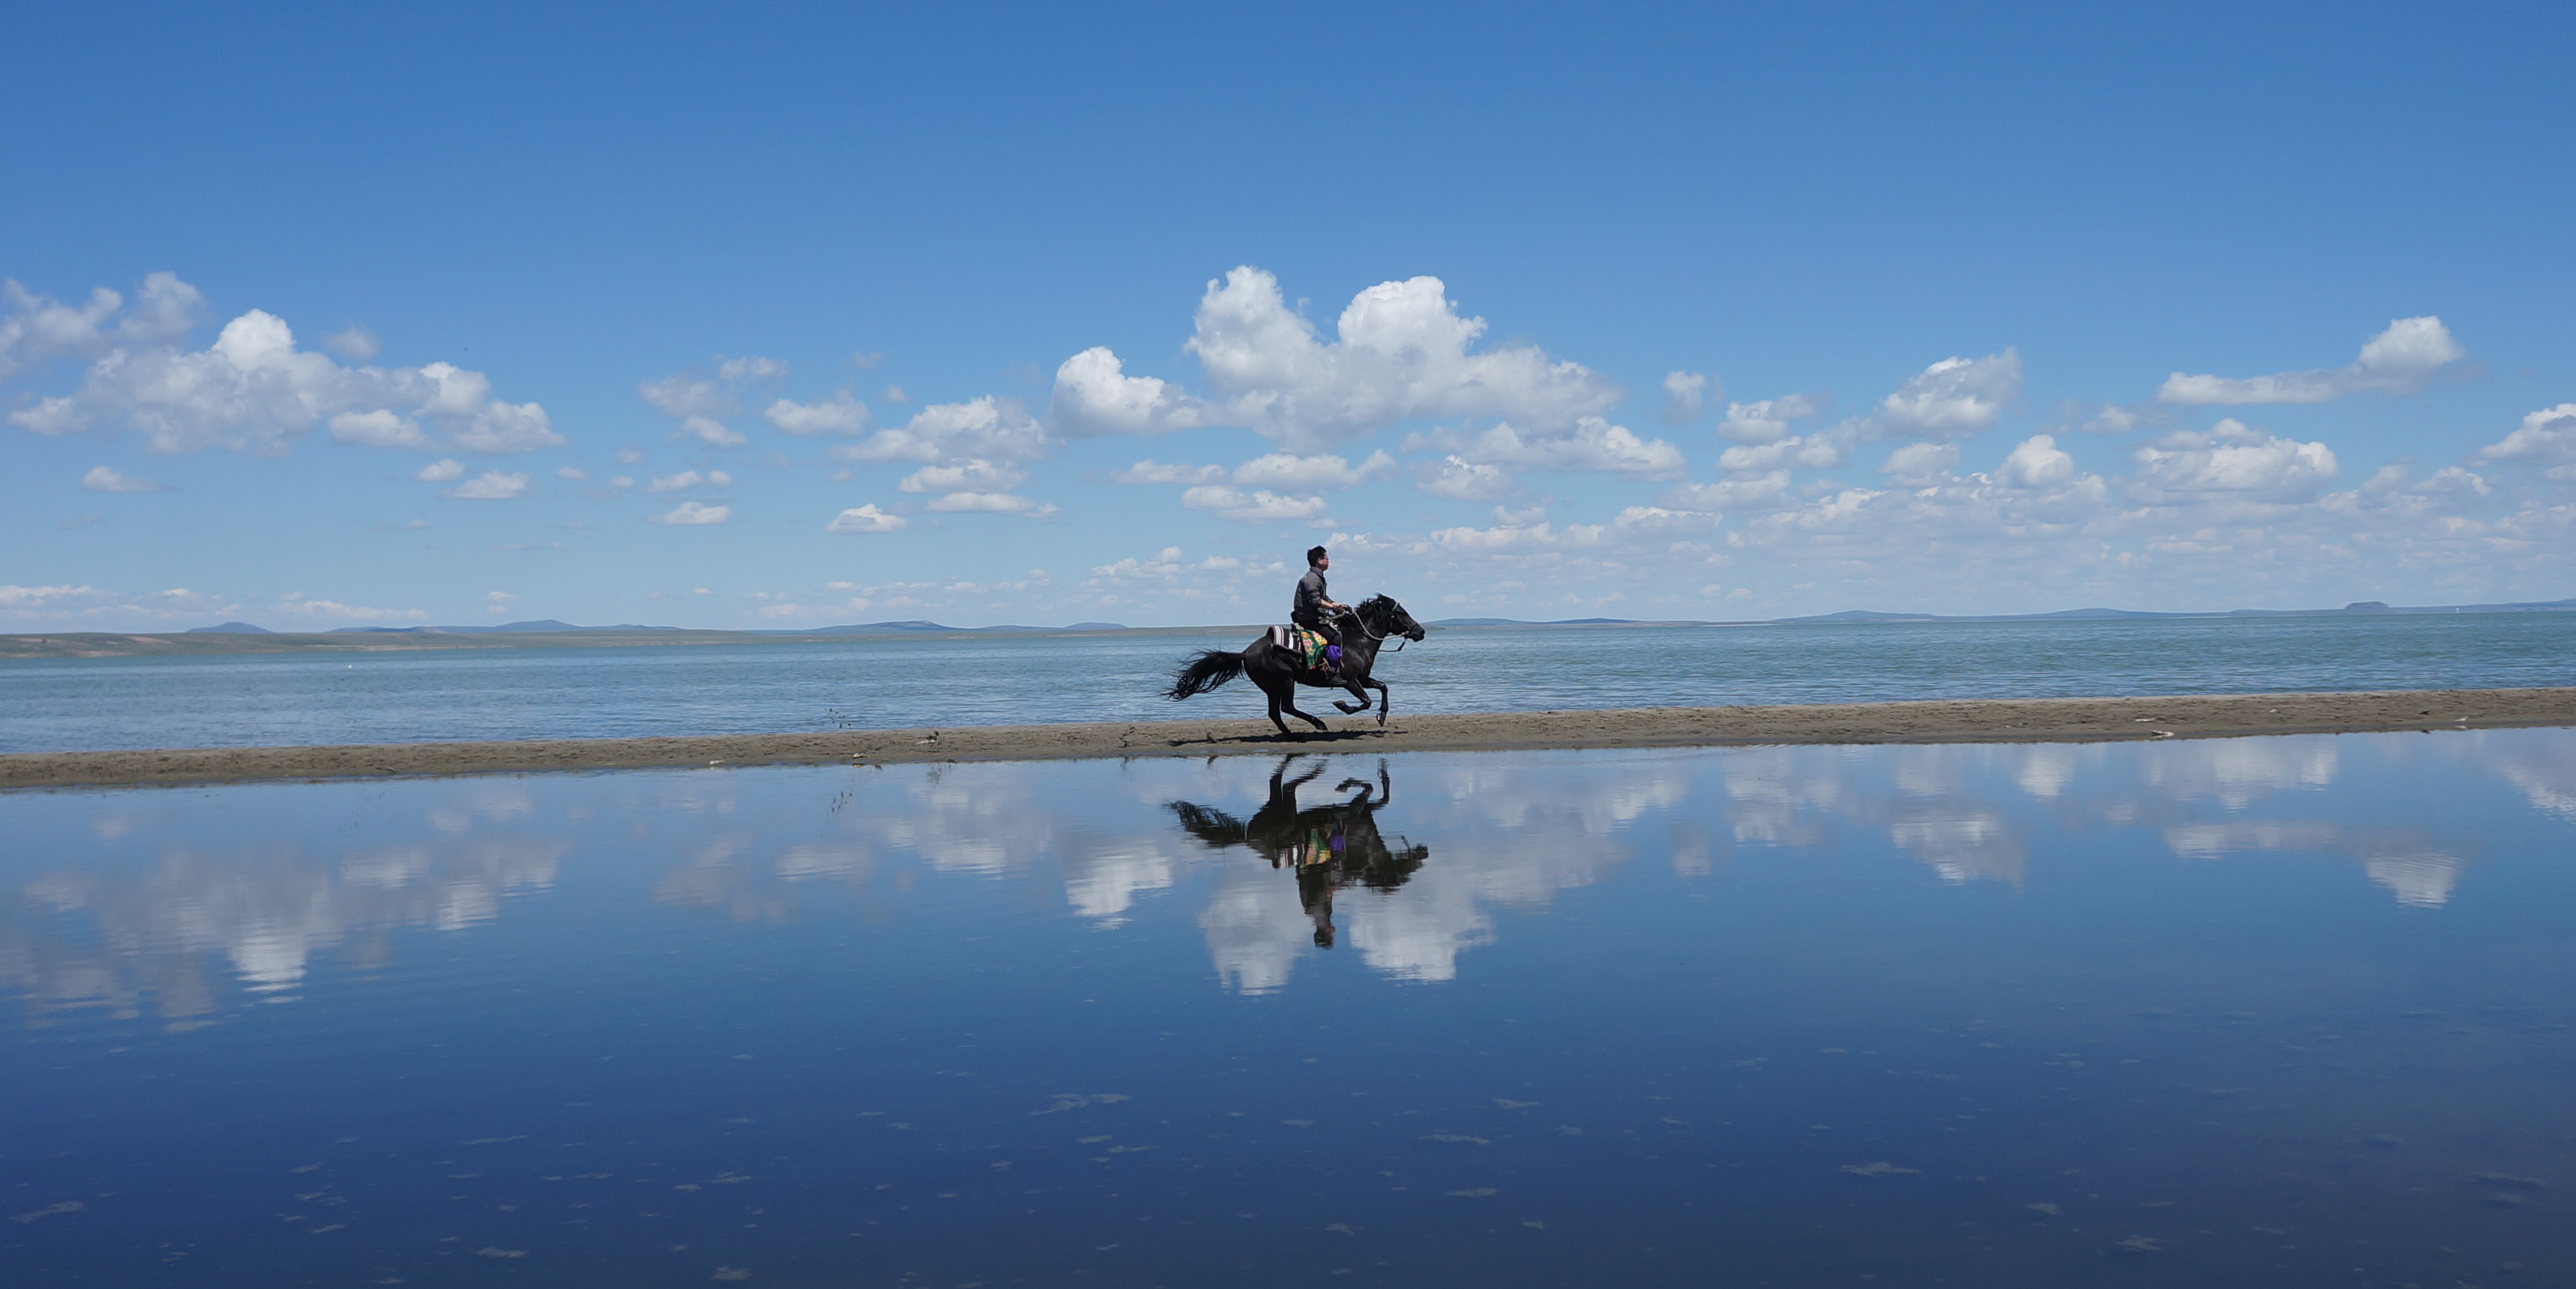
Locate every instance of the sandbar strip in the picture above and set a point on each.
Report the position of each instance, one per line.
(2038, 720)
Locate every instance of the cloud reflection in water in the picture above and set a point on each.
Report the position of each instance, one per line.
(185, 907)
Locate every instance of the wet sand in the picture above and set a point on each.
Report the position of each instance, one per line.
(2044, 720)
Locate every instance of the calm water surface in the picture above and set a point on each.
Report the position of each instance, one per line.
(429, 696)
(2275, 1012)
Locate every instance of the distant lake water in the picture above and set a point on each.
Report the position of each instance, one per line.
(444, 695)
(2231, 1013)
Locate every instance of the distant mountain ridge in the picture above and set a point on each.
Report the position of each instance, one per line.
(1560, 622)
(559, 627)
(911, 626)
(2356, 608)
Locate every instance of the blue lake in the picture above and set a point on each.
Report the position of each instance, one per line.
(442, 695)
(2252, 1012)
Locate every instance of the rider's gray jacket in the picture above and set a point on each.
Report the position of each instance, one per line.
(1309, 609)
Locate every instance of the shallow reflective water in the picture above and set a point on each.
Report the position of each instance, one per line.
(65, 704)
(2285, 1011)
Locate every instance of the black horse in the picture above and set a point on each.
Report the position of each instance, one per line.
(1280, 671)
(1327, 847)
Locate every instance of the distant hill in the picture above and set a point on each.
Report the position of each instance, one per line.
(548, 625)
(540, 624)
(2358, 607)
(910, 626)
(556, 626)
(882, 628)
(1559, 622)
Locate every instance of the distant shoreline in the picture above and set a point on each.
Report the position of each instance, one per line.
(102, 644)
(221, 642)
(2040, 720)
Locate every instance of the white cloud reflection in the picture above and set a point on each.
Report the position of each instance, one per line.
(154, 906)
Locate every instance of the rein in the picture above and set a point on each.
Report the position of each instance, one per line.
(1375, 637)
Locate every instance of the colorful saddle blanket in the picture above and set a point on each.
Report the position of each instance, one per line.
(1308, 644)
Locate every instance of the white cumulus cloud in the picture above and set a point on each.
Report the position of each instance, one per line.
(1769, 420)
(448, 470)
(1401, 351)
(1590, 445)
(1659, 521)
(2545, 438)
(867, 519)
(2230, 460)
(1456, 478)
(1953, 398)
(700, 403)
(710, 431)
(93, 608)
(687, 479)
(987, 429)
(1287, 472)
(965, 476)
(105, 479)
(990, 503)
(1152, 471)
(1822, 451)
(1095, 395)
(354, 344)
(254, 389)
(1916, 464)
(1543, 536)
(2037, 462)
(36, 330)
(840, 414)
(1685, 392)
(491, 485)
(1257, 507)
(1757, 492)
(683, 396)
(691, 513)
(2399, 360)
(298, 604)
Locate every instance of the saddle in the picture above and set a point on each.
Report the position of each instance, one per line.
(1308, 645)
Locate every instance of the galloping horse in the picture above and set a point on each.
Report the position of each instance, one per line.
(1278, 671)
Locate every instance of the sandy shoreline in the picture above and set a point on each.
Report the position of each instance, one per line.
(1960, 721)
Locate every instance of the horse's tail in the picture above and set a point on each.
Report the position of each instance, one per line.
(1213, 667)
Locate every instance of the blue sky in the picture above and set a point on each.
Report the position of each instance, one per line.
(1653, 312)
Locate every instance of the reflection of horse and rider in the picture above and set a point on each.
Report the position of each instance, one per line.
(1329, 645)
(1328, 847)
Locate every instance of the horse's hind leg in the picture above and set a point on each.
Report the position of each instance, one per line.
(1279, 689)
(1284, 700)
(1274, 711)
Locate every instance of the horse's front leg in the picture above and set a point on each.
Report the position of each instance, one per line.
(1380, 687)
(1353, 685)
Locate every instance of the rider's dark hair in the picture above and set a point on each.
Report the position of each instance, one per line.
(1313, 553)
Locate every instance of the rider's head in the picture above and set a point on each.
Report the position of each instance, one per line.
(1316, 558)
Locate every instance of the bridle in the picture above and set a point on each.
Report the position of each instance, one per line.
(1375, 637)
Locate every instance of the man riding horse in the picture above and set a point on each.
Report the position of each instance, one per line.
(1315, 610)
(1276, 662)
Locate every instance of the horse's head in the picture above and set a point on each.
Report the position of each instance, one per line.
(1385, 617)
